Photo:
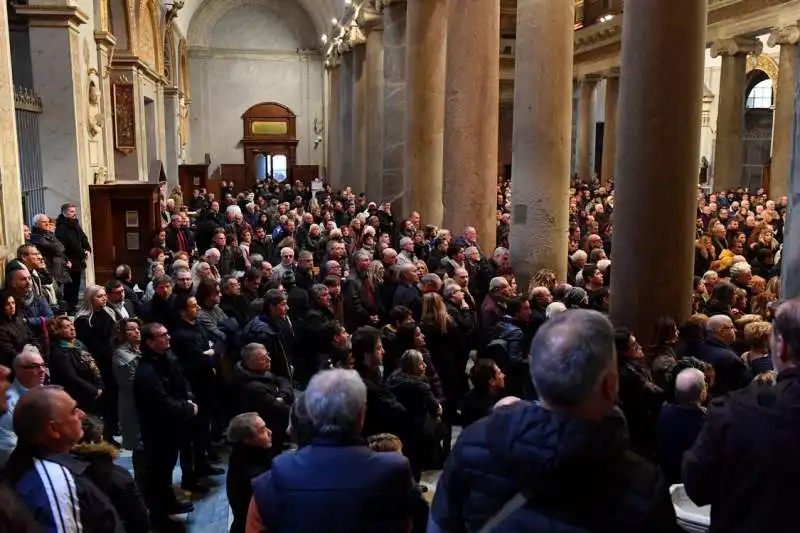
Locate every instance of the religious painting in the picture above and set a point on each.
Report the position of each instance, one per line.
(124, 118)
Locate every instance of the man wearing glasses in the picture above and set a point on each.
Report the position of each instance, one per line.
(731, 372)
(30, 372)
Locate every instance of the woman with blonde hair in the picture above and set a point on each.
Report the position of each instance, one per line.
(422, 268)
(375, 273)
(757, 335)
(543, 278)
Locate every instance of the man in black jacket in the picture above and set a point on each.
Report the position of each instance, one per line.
(165, 412)
(53, 251)
(361, 304)
(741, 463)
(76, 248)
(261, 391)
(563, 464)
(274, 330)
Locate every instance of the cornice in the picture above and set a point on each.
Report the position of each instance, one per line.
(736, 46)
(53, 16)
(598, 35)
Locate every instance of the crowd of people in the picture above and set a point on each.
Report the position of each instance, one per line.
(288, 337)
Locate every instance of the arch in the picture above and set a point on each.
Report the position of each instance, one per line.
(269, 110)
(211, 11)
(269, 131)
(768, 66)
(149, 45)
(121, 23)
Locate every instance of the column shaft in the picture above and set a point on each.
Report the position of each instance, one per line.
(586, 127)
(658, 150)
(374, 161)
(359, 179)
(541, 145)
(787, 38)
(346, 144)
(10, 189)
(425, 67)
(472, 99)
(394, 102)
(105, 41)
(334, 171)
(610, 129)
(729, 154)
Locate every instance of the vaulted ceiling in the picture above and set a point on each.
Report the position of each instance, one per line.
(320, 11)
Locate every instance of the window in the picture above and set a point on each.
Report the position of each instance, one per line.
(760, 96)
(261, 167)
(280, 170)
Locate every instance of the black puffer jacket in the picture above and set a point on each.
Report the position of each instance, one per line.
(577, 476)
(75, 241)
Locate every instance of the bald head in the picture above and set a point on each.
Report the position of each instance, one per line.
(690, 387)
(47, 416)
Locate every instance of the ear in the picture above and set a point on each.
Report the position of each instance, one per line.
(609, 387)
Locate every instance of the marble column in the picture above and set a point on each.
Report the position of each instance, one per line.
(374, 128)
(729, 153)
(171, 137)
(394, 103)
(790, 256)
(105, 42)
(586, 127)
(657, 154)
(334, 170)
(10, 188)
(472, 100)
(610, 128)
(787, 37)
(359, 179)
(346, 131)
(542, 129)
(426, 35)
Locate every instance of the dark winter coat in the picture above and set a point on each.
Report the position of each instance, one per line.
(640, 400)
(74, 368)
(384, 413)
(731, 372)
(739, 463)
(676, 432)
(278, 340)
(116, 483)
(360, 302)
(14, 335)
(75, 241)
(189, 342)
(577, 476)
(244, 465)
(54, 253)
(266, 394)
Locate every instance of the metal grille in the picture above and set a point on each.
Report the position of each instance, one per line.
(28, 107)
(757, 141)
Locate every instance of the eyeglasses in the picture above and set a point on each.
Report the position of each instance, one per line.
(34, 366)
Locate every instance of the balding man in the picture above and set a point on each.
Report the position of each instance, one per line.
(469, 238)
(731, 372)
(571, 446)
(54, 486)
(743, 461)
(29, 373)
(493, 306)
(680, 422)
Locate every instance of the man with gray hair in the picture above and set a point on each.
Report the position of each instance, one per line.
(493, 306)
(743, 462)
(406, 255)
(731, 372)
(680, 422)
(30, 371)
(566, 462)
(336, 474)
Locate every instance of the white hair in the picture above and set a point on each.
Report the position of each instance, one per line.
(710, 275)
(739, 265)
(497, 283)
(717, 322)
(579, 255)
(603, 265)
(27, 351)
(38, 219)
(234, 210)
(689, 386)
(334, 402)
(554, 309)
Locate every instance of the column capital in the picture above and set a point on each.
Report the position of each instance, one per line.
(784, 35)
(370, 16)
(53, 15)
(354, 36)
(105, 39)
(736, 46)
(613, 72)
(590, 79)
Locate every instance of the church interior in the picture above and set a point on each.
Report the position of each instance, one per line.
(107, 104)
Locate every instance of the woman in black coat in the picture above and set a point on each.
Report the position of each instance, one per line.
(73, 367)
(251, 456)
(14, 333)
(424, 431)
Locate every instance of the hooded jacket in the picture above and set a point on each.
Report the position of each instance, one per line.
(577, 477)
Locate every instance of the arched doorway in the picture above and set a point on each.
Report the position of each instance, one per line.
(269, 142)
(757, 135)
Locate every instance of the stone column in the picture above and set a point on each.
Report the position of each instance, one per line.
(346, 145)
(787, 37)
(334, 170)
(105, 42)
(426, 35)
(610, 129)
(171, 137)
(658, 149)
(729, 154)
(541, 146)
(394, 102)
(374, 128)
(472, 100)
(586, 127)
(359, 53)
(10, 188)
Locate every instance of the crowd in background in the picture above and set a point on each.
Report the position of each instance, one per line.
(219, 348)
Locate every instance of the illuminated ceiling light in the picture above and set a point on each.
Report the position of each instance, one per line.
(347, 2)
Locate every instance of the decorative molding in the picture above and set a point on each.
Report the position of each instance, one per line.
(370, 16)
(736, 46)
(598, 35)
(719, 4)
(768, 66)
(785, 35)
(27, 100)
(356, 35)
(53, 16)
(613, 72)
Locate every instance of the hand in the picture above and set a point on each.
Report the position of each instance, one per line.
(194, 407)
(99, 393)
(69, 263)
(439, 410)
(209, 352)
(464, 305)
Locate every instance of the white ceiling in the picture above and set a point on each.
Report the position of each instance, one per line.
(320, 11)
